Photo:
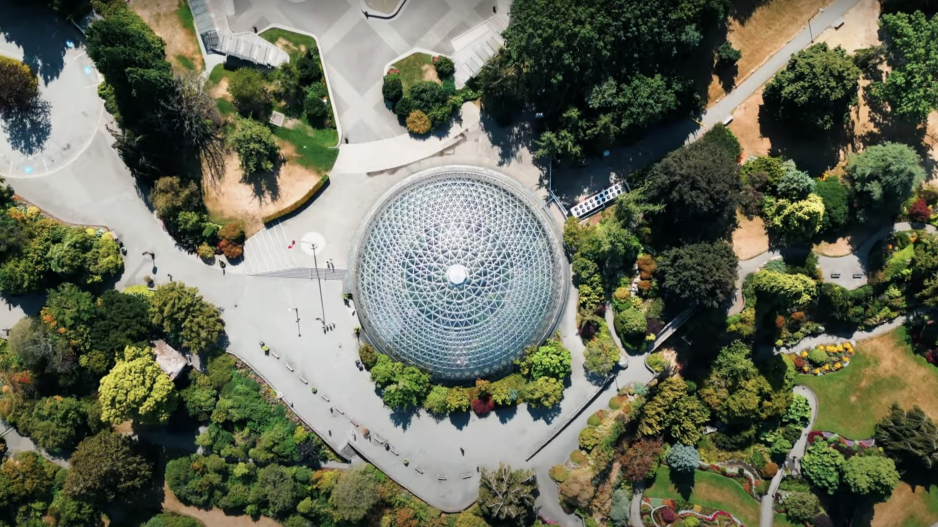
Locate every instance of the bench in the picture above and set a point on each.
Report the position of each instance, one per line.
(858, 275)
(838, 23)
(303, 380)
(441, 478)
(324, 398)
(419, 470)
(395, 452)
(378, 439)
(275, 355)
(289, 367)
(466, 475)
(341, 411)
(835, 275)
(354, 422)
(728, 120)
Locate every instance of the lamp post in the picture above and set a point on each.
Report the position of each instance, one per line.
(322, 304)
(810, 30)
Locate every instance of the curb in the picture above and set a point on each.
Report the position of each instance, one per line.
(381, 16)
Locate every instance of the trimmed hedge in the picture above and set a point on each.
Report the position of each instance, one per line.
(298, 203)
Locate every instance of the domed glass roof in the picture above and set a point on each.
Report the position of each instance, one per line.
(457, 271)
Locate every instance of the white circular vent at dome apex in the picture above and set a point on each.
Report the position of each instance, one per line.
(457, 270)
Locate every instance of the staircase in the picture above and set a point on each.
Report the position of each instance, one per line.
(476, 46)
(267, 252)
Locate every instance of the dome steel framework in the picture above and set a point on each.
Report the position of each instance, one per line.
(457, 270)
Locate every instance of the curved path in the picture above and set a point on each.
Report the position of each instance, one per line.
(792, 461)
(854, 263)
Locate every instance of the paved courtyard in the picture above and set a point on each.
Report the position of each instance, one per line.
(356, 49)
(62, 124)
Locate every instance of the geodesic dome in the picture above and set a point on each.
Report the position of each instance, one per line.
(457, 270)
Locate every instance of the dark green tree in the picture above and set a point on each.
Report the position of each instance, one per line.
(910, 438)
(816, 89)
(180, 313)
(703, 274)
(355, 494)
(834, 194)
(248, 89)
(105, 467)
(911, 87)
(507, 495)
(882, 177)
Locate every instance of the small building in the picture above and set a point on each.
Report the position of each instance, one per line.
(169, 360)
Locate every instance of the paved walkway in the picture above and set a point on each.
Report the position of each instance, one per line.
(793, 460)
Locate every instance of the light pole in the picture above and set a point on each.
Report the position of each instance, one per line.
(811, 31)
(322, 304)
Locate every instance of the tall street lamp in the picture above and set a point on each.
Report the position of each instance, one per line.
(322, 304)
(810, 30)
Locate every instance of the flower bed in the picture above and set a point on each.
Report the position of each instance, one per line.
(655, 512)
(735, 470)
(824, 359)
(847, 447)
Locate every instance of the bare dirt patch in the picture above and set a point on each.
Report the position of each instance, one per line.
(860, 29)
(931, 140)
(162, 16)
(249, 199)
(749, 238)
(746, 127)
(212, 517)
(220, 90)
(288, 46)
(906, 506)
(430, 74)
(760, 33)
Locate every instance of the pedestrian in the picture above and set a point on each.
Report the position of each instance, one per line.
(461, 451)
(170, 277)
(255, 30)
(346, 139)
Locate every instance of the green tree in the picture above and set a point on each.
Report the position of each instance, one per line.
(631, 325)
(180, 313)
(544, 392)
(435, 403)
(355, 494)
(874, 477)
(699, 187)
(816, 89)
(169, 519)
(200, 396)
(171, 195)
(671, 410)
(393, 87)
(791, 290)
(408, 390)
(19, 86)
(69, 311)
(248, 89)
(507, 495)
(386, 371)
(121, 320)
(911, 87)
(73, 513)
(700, 273)
(309, 67)
(795, 221)
(822, 466)
(834, 195)
(136, 388)
(550, 360)
(601, 356)
(772, 168)
(794, 184)
(56, 423)
(801, 507)
(41, 350)
(279, 490)
(104, 467)
(683, 458)
(882, 177)
(910, 438)
(727, 55)
(255, 145)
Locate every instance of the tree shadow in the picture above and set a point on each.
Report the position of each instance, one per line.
(815, 153)
(28, 129)
(507, 413)
(460, 420)
(30, 303)
(40, 33)
(508, 139)
(265, 185)
(894, 128)
(727, 76)
(742, 10)
(403, 418)
(683, 482)
(544, 414)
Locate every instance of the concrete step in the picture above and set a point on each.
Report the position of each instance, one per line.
(268, 251)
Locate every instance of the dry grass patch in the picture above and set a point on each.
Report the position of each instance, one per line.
(430, 74)
(763, 33)
(907, 507)
(749, 238)
(172, 20)
(884, 370)
(249, 199)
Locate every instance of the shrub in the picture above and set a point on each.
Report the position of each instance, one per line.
(616, 402)
(919, 211)
(316, 105)
(559, 473)
(404, 107)
(393, 88)
(630, 324)
(482, 406)
(596, 419)
(668, 515)
(647, 265)
(578, 457)
(823, 520)
(309, 68)
(769, 470)
(205, 251)
(418, 122)
(232, 251)
(255, 145)
(690, 521)
(817, 356)
(727, 55)
(427, 95)
(368, 355)
(655, 361)
(232, 231)
(589, 438)
(445, 67)
(19, 86)
(800, 507)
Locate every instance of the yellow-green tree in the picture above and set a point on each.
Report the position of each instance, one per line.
(795, 220)
(136, 388)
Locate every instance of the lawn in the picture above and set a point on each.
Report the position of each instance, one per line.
(312, 145)
(715, 491)
(883, 370)
(908, 508)
(294, 44)
(413, 70)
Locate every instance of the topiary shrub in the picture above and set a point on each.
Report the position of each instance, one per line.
(316, 105)
(308, 68)
(393, 88)
(368, 355)
(445, 67)
(578, 457)
(205, 252)
(483, 405)
(232, 251)
(404, 107)
(596, 419)
(616, 402)
(559, 473)
(817, 356)
(589, 438)
(769, 470)
(668, 515)
(683, 458)
(630, 324)
(418, 123)
(255, 145)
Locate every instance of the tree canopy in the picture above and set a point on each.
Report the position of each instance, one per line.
(700, 273)
(883, 176)
(507, 495)
(570, 66)
(911, 86)
(136, 388)
(105, 467)
(186, 320)
(815, 90)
